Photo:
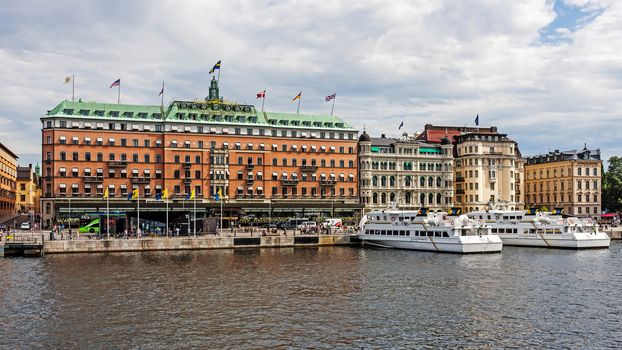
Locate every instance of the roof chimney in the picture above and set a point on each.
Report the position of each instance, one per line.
(383, 136)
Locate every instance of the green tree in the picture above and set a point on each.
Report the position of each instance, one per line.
(612, 185)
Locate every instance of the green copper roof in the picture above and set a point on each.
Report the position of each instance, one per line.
(212, 111)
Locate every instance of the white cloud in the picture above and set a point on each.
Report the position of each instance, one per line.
(422, 62)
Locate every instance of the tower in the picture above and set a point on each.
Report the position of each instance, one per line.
(213, 90)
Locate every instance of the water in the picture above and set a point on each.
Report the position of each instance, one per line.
(333, 297)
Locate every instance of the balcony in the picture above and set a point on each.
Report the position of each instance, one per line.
(460, 191)
(493, 179)
(187, 165)
(117, 164)
(250, 181)
(94, 179)
(250, 166)
(289, 182)
(187, 180)
(308, 168)
(141, 180)
(330, 183)
(459, 179)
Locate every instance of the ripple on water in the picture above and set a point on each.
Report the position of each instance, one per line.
(331, 297)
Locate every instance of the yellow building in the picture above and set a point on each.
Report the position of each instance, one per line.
(489, 170)
(570, 180)
(8, 174)
(27, 189)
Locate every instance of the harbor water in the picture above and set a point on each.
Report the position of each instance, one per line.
(326, 297)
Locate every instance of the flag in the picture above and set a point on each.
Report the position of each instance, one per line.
(401, 126)
(165, 193)
(218, 195)
(297, 96)
(106, 193)
(216, 66)
(190, 195)
(133, 195)
(331, 97)
(477, 120)
(116, 83)
(261, 94)
(161, 91)
(67, 80)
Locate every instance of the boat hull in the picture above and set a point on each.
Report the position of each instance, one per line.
(564, 241)
(458, 245)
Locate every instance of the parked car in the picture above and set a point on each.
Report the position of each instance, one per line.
(333, 223)
(292, 223)
(269, 226)
(307, 225)
(25, 225)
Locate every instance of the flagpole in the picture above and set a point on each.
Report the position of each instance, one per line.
(194, 228)
(73, 86)
(221, 200)
(218, 75)
(119, 94)
(162, 94)
(298, 109)
(108, 216)
(138, 215)
(263, 102)
(166, 200)
(333, 107)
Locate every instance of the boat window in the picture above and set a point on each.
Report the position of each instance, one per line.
(401, 218)
(514, 230)
(489, 217)
(445, 234)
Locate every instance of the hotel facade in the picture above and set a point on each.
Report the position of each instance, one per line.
(263, 163)
(568, 179)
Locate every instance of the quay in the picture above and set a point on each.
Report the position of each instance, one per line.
(26, 246)
(614, 233)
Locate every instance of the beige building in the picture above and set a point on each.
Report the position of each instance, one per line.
(404, 172)
(8, 173)
(570, 180)
(27, 190)
(488, 170)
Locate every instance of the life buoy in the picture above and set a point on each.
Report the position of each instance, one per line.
(393, 218)
(451, 222)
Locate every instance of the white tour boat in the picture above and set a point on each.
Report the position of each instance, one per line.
(542, 229)
(434, 232)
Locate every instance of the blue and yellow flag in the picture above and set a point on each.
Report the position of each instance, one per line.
(298, 97)
(218, 195)
(133, 195)
(165, 193)
(190, 195)
(216, 66)
(106, 194)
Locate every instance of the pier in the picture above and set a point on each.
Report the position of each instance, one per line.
(23, 246)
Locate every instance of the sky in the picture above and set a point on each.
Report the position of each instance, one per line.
(547, 73)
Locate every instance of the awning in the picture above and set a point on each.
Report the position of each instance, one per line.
(123, 171)
(351, 175)
(238, 144)
(304, 148)
(274, 145)
(187, 142)
(111, 139)
(225, 131)
(249, 145)
(75, 138)
(323, 147)
(87, 139)
(313, 148)
(225, 144)
(147, 171)
(250, 173)
(294, 147)
(123, 186)
(259, 173)
(99, 139)
(332, 148)
(158, 171)
(111, 170)
(100, 186)
(284, 174)
(240, 188)
(134, 171)
(62, 170)
(100, 171)
(250, 188)
(62, 186)
(158, 187)
(89, 185)
(63, 138)
(259, 188)
(75, 170)
(74, 185)
(261, 145)
(111, 186)
(212, 129)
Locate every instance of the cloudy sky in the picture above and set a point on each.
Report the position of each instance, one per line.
(548, 73)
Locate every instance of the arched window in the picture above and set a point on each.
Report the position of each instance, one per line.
(595, 172)
(407, 197)
(407, 181)
(374, 198)
(430, 181)
(392, 181)
(392, 197)
(374, 180)
(438, 198)
(438, 182)
(431, 198)
(48, 208)
(587, 171)
(383, 181)
(422, 181)
(422, 199)
(383, 198)
(579, 171)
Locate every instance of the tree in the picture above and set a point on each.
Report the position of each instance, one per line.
(612, 185)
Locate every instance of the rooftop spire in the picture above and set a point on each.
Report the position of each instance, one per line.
(213, 90)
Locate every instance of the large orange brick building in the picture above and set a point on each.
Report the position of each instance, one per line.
(264, 163)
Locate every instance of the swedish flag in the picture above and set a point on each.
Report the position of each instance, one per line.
(218, 195)
(133, 195)
(190, 195)
(216, 66)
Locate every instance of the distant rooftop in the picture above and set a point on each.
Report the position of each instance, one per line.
(558, 156)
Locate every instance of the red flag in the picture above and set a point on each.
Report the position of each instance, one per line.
(116, 83)
(261, 94)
